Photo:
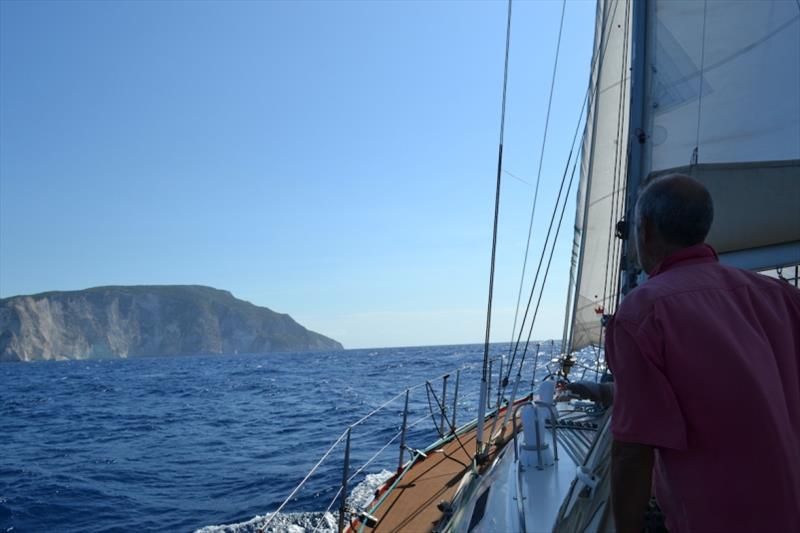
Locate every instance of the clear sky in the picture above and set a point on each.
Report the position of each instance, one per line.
(331, 160)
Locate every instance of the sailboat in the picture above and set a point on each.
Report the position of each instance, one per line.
(709, 88)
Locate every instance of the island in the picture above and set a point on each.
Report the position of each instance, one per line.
(149, 320)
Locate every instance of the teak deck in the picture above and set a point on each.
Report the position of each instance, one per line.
(412, 505)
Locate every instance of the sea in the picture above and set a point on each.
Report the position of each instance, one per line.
(217, 443)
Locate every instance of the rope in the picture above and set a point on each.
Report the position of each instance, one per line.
(547, 239)
(590, 92)
(550, 258)
(539, 171)
(365, 465)
(326, 511)
(613, 213)
(310, 473)
(520, 179)
(397, 396)
(380, 407)
(623, 185)
(430, 409)
(342, 436)
(619, 180)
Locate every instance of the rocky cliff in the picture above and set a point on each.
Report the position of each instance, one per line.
(109, 322)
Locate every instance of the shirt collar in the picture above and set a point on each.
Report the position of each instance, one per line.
(699, 253)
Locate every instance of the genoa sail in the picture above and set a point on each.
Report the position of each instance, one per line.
(603, 169)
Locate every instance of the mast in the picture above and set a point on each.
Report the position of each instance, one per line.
(637, 139)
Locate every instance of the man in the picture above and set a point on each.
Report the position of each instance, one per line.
(706, 364)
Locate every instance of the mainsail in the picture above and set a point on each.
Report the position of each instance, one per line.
(723, 104)
(718, 99)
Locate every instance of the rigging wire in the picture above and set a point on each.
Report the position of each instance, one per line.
(496, 216)
(550, 259)
(442, 408)
(609, 282)
(310, 473)
(590, 92)
(364, 467)
(696, 154)
(547, 239)
(618, 177)
(535, 365)
(520, 179)
(622, 199)
(539, 171)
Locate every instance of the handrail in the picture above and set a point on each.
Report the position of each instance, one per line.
(347, 477)
(366, 464)
(310, 473)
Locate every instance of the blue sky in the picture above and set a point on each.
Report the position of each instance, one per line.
(330, 160)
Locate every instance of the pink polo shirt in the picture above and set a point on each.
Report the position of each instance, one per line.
(706, 363)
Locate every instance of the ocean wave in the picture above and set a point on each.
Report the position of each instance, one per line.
(360, 497)
(283, 523)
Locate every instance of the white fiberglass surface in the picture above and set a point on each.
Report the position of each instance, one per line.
(521, 494)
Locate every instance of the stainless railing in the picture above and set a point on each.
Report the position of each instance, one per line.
(438, 413)
(443, 422)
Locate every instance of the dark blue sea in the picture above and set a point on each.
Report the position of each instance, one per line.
(182, 443)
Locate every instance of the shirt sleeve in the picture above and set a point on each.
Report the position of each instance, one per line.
(645, 409)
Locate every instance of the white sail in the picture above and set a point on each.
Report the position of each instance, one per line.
(603, 170)
(722, 102)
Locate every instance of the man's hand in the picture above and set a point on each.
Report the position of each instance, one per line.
(601, 393)
(631, 481)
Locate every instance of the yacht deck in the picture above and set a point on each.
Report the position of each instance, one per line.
(411, 501)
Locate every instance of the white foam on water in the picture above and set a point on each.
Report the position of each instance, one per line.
(360, 497)
(283, 523)
(363, 493)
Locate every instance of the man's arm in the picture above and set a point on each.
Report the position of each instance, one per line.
(631, 480)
